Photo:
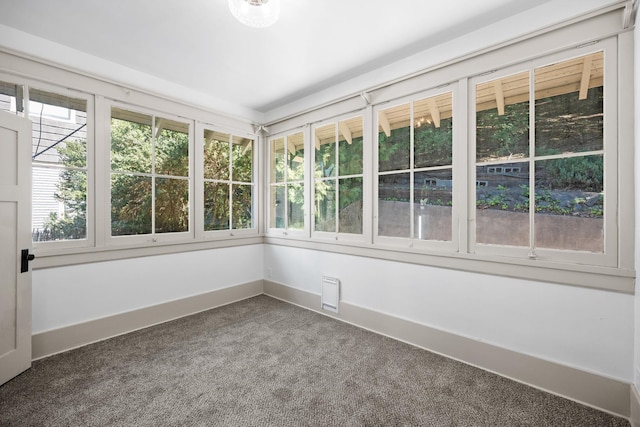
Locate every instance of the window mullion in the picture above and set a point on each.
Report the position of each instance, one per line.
(532, 165)
(411, 171)
(230, 182)
(153, 175)
(336, 185)
(286, 184)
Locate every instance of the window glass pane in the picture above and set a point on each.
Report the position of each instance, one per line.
(502, 204)
(172, 148)
(350, 146)
(242, 203)
(394, 139)
(433, 131)
(569, 204)
(59, 152)
(278, 203)
(277, 154)
(11, 97)
(325, 205)
(216, 206)
(394, 205)
(242, 158)
(61, 143)
(295, 146)
(433, 201)
(172, 205)
(295, 198)
(350, 205)
(569, 106)
(59, 204)
(502, 118)
(130, 141)
(325, 163)
(130, 204)
(216, 155)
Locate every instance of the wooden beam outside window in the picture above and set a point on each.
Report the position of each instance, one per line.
(435, 112)
(384, 123)
(586, 77)
(499, 96)
(346, 132)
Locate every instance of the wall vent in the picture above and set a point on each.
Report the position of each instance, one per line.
(330, 293)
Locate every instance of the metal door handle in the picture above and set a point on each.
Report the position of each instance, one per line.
(24, 260)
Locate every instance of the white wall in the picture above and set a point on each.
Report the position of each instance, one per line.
(584, 328)
(70, 295)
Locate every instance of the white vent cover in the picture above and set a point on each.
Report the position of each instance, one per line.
(330, 293)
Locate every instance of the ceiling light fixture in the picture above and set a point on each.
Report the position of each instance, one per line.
(255, 13)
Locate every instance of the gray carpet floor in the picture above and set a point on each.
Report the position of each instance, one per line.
(263, 362)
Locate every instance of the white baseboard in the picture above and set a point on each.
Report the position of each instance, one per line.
(600, 392)
(58, 340)
(603, 393)
(635, 407)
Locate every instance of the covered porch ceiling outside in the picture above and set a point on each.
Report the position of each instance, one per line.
(577, 75)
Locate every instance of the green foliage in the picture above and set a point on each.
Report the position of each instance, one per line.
(130, 146)
(566, 123)
(172, 153)
(131, 202)
(350, 190)
(130, 205)
(433, 146)
(350, 157)
(394, 151)
(581, 173)
(499, 136)
(131, 193)
(216, 209)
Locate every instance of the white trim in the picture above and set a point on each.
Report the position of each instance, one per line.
(286, 231)
(89, 255)
(336, 235)
(152, 236)
(90, 163)
(588, 276)
(603, 393)
(198, 157)
(634, 416)
(609, 257)
(447, 246)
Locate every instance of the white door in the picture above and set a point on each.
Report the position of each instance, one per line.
(15, 236)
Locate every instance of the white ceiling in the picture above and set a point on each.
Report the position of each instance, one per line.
(195, 49)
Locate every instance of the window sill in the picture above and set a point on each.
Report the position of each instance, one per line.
(588, 276)
(49, 257)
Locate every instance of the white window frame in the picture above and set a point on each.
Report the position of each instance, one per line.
(56, 246)
(201, 233)
(609, 257)
(457, 183)
(365, 175)
(152, 237)
(286, 231)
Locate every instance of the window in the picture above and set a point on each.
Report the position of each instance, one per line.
(11, 97)
(59, 166)
(338, 177)
(150, 180)
(415, 169)
(228, 181)
(540, 147)
(287, 182)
